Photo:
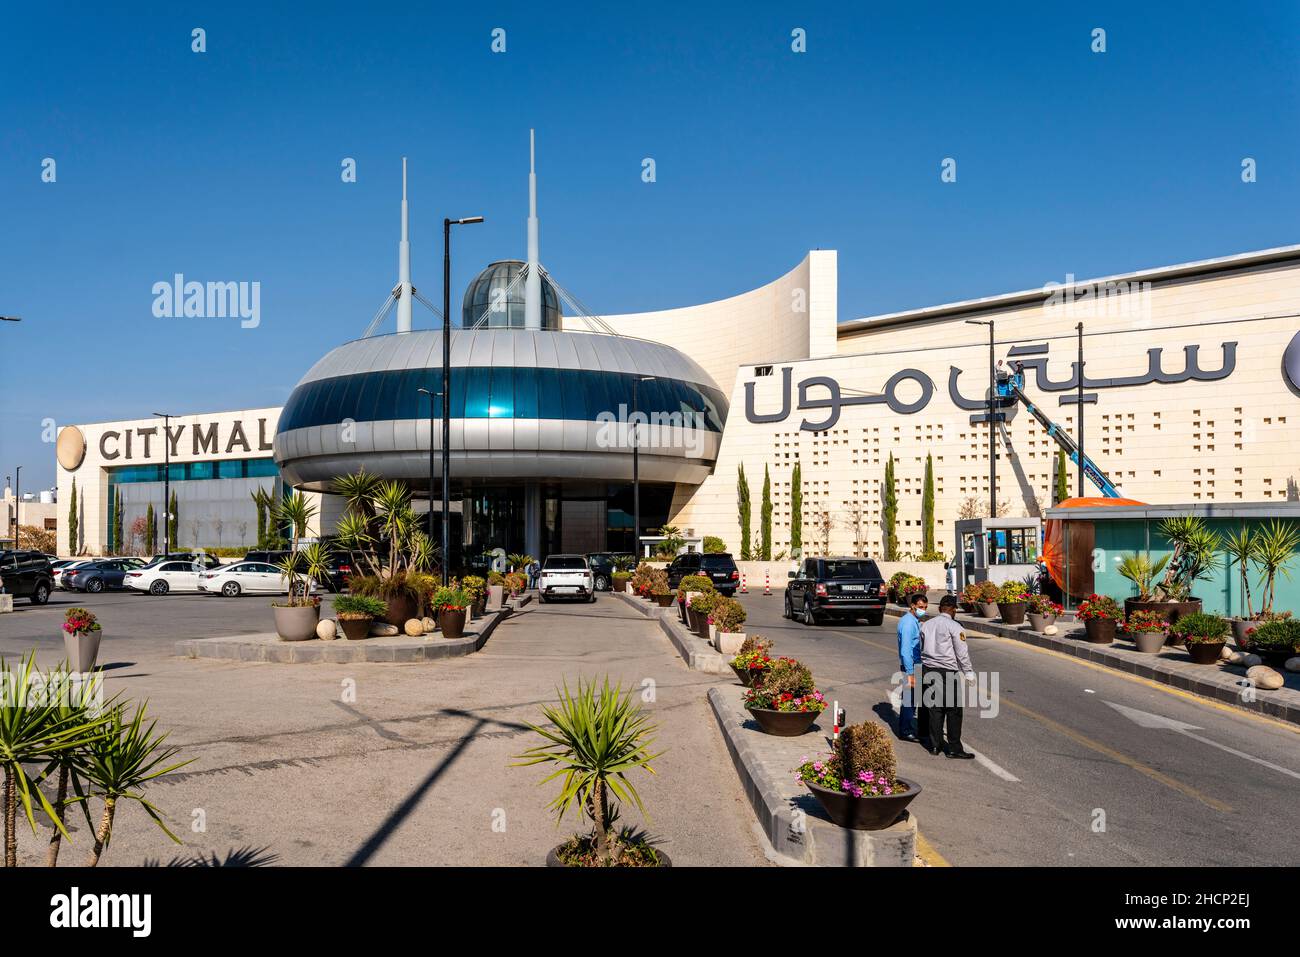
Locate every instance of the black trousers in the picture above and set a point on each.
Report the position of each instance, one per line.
(941, 697)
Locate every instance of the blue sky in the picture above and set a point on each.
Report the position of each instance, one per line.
(225, 166)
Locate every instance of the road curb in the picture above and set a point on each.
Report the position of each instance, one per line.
(1214, 682)
(788, 815)
(269, 648)
(698, 654)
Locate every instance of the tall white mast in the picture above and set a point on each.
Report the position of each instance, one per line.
(533, 282)
(404, 265)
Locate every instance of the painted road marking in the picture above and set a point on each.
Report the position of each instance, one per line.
(997, 769)
(928, 853)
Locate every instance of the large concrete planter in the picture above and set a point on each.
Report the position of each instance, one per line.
(1099, 631)
(1170, 611)
(987, 609)
(783, 724)
(1012, 612)
(296, 623)
(1148, 642)
(553, 858)
(1039, 622)
(496, 596)
(663, 601)
(865, 813)
(729, 642)
(401, 609)
(82, 650)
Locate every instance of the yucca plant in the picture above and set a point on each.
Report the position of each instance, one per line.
(595, 737)
(79, 699)
(295, 511)
(1276, 546)
(35, 730)
(516, 561)
(1195, 555)
(1142, 572)
(303, 567)
(117, 766)
(1240, 547)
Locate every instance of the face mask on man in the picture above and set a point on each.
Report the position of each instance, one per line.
(920, 612)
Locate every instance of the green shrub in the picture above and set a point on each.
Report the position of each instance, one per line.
(1013, 592)
(706, 602)
(452, 599)
(867, 747)
(1280, 635)
(354, 606)
(1201, 628)
(788, 676)
(694, 583)
(729, 615)
(714, 545)
(474, 586)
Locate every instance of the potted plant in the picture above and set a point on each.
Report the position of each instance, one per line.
(969, 598)
(700, 608)
(81, 634)
(1270, 550)
(595, 739)
(1195, 556)
(496, 589)
(1204, 636)
(986, 599)
(753, 660)
(476, 590)
(1013, 599)
(1141, 571)
(687, 589)
(728, 618)
(450, 605)
(1147, 630)
(786, 702)
(651, 583)
(1042, 612)
(298, 615)
(355, 614)
(857, 784)
(1099, 614)
(619, 581)
(1275, 641)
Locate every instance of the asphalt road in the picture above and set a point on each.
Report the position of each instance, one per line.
(1066, 776)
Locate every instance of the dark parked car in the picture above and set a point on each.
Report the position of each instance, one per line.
(603, 567)
(96, 576)
(720, 567)
(335, 581)
(848, 588)
(26, 575)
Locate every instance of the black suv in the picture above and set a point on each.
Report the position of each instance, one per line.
(27, 575)
(603, 567)
(719, 567)
(848, 588)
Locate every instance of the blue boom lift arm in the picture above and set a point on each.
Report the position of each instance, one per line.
(1011, 387)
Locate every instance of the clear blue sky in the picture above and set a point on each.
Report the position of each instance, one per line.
(225, 166)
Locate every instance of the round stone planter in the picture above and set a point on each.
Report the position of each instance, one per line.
(553, 858)
(1012, 613)
(1205, 652)
(1170, 611)
(496, 595)
(451, 622)
(354, 629)
(1148, 642)
(663, 601)
(702, 626)
(729, 642)
(1269, 656)
(82, 650)
(865, 813)
(783, 724)
(480, 607)
(1240, 629)
(988, 609)
(744, 674)
(1038, 622)
(1099, 631)
(296, 623)
(401, 609)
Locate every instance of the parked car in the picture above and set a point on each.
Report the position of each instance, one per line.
(340, 566)
(566, 576)
(205, 559)
(260, 578)
(847, 588)
(95, 576)
(63, 570)
(161, 577)
(603, 567)
(720, 567)
(26, 575)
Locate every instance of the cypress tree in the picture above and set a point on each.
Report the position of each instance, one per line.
(796, 512)
(72, 520)
(151, 530)
(765, 541)
(927, 508)
(1062, 478)
(889, 512)
(118, 522)
(174, 522)
(743, 507)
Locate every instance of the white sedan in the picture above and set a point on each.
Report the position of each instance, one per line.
(252, 577)
(163, 577)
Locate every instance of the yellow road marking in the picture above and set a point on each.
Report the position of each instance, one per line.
(1122, 758)
(927, 852)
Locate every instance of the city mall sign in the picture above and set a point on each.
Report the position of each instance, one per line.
(145, 443)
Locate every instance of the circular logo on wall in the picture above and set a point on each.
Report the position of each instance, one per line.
(1291, 361)
(70, 448)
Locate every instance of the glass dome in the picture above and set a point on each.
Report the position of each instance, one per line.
(490, 294)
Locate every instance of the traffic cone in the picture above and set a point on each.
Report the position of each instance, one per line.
(744, 588)
(767, 583)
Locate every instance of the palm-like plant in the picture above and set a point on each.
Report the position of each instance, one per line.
(595, 739)
(296, 512)
(392, 502)
(1276, 547)
(1241, 548)
(359, 490)
(117, 766)
(301, 568)
(75, 699)
(34, 729)
(1142, 571)
(516, 561)
(1195, 554)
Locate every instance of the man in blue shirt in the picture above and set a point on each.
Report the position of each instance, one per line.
(909, 659)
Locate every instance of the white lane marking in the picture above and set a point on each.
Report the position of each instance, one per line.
(996, 769)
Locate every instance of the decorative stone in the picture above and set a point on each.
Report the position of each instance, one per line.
(430, 626)
(1234, 657)
(381, 630)
(326, 630)
(1050, 630)
(1292, 664)
(1265, 677)
(1250, 661)
(414, 627)
(1227, 653)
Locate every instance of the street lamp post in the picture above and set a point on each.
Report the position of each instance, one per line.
(167, 482)
(18, 503)
(636, 464)
(446, 385)
(993, 448)
(432, 396)
(1079, 329)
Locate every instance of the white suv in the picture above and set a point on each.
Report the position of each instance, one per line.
(566, 576)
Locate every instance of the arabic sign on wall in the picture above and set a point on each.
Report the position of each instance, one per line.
(823, 393)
